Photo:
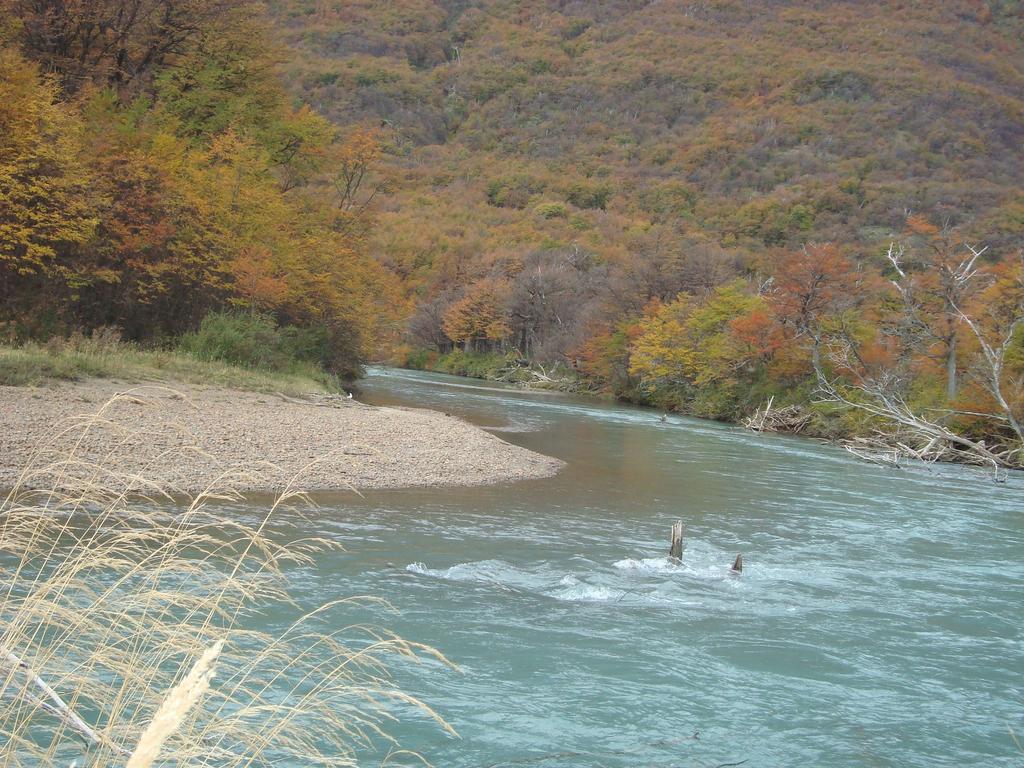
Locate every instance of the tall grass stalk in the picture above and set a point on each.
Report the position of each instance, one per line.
(171, 714)
(107, 596)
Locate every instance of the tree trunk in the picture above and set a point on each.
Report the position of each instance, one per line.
(816, 358)
(675, 549)
(951, 369)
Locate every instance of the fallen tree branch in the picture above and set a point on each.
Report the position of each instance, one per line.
(55, 705)
(788, 418)
(879, 394)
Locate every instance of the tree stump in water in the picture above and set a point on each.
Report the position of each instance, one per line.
(675, 549)
(737, 565)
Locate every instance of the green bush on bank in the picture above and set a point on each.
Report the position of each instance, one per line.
(418, 359)
(494, 366)
(259, 343)
(248, 341)
(476, 365)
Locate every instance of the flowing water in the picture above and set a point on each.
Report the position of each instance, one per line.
(879, 619)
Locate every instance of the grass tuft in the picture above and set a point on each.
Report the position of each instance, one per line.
(106, 598)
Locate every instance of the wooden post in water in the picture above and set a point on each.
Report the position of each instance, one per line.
(737, 565)
(675, 549)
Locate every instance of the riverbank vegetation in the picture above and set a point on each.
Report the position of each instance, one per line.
(259, 361)
(917, 353)
(626, 197)
(154, 170)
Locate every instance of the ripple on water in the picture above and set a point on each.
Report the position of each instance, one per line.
(878, 620)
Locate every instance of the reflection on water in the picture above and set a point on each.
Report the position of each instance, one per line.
(878, 620)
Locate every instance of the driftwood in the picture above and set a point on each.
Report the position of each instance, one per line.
(50, 701)
(523, 372)
(900, 450)
(788, 418)
(675, 549)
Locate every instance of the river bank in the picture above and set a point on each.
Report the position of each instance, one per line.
(189, 438)
(872, 433)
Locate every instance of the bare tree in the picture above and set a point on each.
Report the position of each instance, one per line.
(997, 327)
(114, 42)
(426, 326)
(548, 301)
(941, 284)
(882, 394)
(881, 389)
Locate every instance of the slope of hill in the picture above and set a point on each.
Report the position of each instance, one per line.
(620, 126)
(691, 202)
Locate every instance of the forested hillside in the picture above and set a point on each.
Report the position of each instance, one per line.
(630, 188)
(670, 142)
(153, 170)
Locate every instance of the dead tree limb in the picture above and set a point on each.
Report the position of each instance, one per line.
(675, 549)
(50, 701)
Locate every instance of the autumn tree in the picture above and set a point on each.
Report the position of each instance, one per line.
(935, 279)
(809, 288)
(256, 282)
(163, 242)
(996, 320)
(112, 43)
(353, 161)
(699, 342)
(480, 315)
(45, 201)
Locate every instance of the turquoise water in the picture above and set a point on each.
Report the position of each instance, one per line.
(879, 620)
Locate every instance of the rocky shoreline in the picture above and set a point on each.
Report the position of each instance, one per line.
(188, 439)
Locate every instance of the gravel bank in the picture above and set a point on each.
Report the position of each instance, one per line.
(191, 438)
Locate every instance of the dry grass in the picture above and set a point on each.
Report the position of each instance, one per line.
(179, 702)
(107, 598)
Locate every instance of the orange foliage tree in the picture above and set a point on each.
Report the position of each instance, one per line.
(479, 317)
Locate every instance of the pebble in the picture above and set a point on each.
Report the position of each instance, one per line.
(185, 438)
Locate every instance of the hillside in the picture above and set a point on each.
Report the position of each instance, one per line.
(633, 129)
(691, 203)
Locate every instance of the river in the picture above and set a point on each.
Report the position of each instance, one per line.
(879, 619)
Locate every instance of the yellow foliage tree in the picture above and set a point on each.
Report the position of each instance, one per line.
(687, 342)
(44, 206)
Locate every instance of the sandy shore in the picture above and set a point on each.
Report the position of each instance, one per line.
(190, 438)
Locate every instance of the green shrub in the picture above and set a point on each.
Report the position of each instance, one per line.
(257, 342)
(583, 196)
(419, 359)
(513, 191)
(551, 210)
(576, 28)
(477, 365)
(668, 200)
(250, 341)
